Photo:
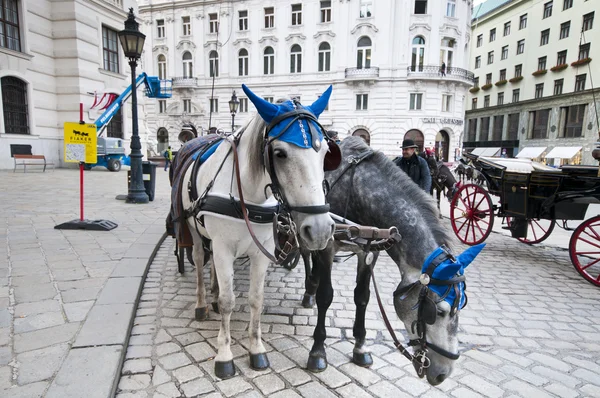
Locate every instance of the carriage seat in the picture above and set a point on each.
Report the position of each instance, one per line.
(525, 166)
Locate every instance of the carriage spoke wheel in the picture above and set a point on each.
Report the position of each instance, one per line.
(537, 230)
(584, 249)
(472, 214)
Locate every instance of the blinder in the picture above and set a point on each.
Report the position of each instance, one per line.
(333, 158)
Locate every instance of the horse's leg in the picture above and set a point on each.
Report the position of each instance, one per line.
(322, 261)
(439, 195)
(201, 312)
(258, 269)
(223, 262)
(360, 355)
(311, 281)
(214, 287)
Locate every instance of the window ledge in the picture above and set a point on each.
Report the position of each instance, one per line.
(324, 23)
(18, 54)
(20, 136)
(268, 29)
(112, 74)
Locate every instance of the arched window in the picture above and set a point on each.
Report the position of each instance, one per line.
(324, 57)
(446, 51)
(162, 136)
(364, 134)
(363, 54)
(243, 62)
(296, 59)
(213, 64)
(188, 65)
(15, 105)
(418, 54)
(162, 67)
(417, 137)
(269, 61)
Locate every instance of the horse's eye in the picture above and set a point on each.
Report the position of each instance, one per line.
(280, 153)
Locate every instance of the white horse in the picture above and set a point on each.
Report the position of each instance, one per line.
(282, 151)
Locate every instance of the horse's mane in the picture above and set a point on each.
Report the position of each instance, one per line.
(255, 129)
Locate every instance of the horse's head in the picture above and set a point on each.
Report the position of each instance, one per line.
(296, 153)
(429, 304)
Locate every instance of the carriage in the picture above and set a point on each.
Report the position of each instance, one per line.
(531, 199)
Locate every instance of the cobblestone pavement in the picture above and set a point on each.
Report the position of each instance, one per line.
(67, 297)
(530, 330)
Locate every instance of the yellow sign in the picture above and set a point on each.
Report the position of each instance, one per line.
(80, 143)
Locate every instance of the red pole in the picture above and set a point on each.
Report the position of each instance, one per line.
(81, 168)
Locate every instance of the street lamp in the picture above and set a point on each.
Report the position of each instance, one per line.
(233, 108)
(132, 41)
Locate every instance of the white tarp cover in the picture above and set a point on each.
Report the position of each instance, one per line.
(563, 152)
(531, 152)
(477, 151)
(490, 151)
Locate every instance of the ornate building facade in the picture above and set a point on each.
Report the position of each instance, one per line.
(398, 68)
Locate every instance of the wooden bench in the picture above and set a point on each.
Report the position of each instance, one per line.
(31, 160)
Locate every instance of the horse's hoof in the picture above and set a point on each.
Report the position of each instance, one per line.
(201, 314)
(224, 370)
(363, 359)
(216, 308)
(316, 364)
(308, 301)
(259, 361)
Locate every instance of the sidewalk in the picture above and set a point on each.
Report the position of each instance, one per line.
(67, 297)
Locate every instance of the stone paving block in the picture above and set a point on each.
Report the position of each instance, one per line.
(37, 307)
(39, 321)
(189, 338)
(139, 351)
(588, 376)
(5, 318)
(119, 290)
(174, 361)
(556, 375)
(279, 362)
(45, 337)
(187, 373)
(200, 351)
(314, 389)
(105, 324)
(37, 292)
(84, 294)
(524, 375)
(524, 389)
(197, 387)
(168, 390)
(133, 366)
(364, 376)
(77, 311)
(167, 348)
(385, 389)
(87, 372)
(233, 386)
(561, 391)
(130, 267)
(269, 384)
(134, 382)
(33, 390)
(465, 393)
(286, 394)
(352, 391)
(42, 364)
(296, 376)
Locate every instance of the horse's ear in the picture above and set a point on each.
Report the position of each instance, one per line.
(467, 257)
(320, 104)
(265, 109)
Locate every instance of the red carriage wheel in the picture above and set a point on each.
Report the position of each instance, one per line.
(584, 249)
(537, 230)
(472, 214)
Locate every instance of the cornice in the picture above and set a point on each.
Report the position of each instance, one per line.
(268, 38)
(242, 40)
(367, 25)
(419, 25)
(324, 33)
(295, 35)
(185, 43)
(161, 48)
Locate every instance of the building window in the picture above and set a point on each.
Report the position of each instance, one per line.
(488, 78)
(365, 8)
(213, 64)
(188, 65)
(362, 102)
(243, 62)
(162, 106)
(539, 90)
(567, 4)
(497, 129)
(269, 61)
(545, 37)
(479, 40)
(451, 8)
(540, 124)
(15, 105)
(268, 99)
(472, 130)
(162, 67)
(187, 105)
(504, 52)
(296, 14)
(588, 21)
(415, 101)
(325, 11)
(187, 26)
(160, 28)
(446, 103)
(521, 46)
(269, 17)
(296, 59)
(518, 70)
(580, 82)
(564, 30)
(243, 105)
(243, 20)
(9, 25)
(324, 57)
(500, 99)
(477, 62)
(474, 103)
(490, 58)
(515, 97)
(476, 81)
(363, 53)
(558, 86)
(584, 51)
(507, 28)
(110, 47)
(513, 126)
(213, 23)
(114, 129)
(486, 101)
(541, 63)
(547, 10)
(214, 105)
(485, 129)
(492, 35)
(420, 6)
(502, 74)
(574, 121)
(561, 57)
(523, 21)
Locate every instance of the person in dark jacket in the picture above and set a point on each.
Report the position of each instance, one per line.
(414, 166)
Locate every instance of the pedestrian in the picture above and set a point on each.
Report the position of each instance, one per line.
(443, 69)
(168, 154)
(413, 165)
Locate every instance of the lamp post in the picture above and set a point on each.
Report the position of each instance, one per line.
(233, 108)
(132, 41)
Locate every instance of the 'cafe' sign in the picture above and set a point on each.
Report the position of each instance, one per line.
(442, 120)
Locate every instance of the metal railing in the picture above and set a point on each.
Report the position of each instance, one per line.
(180, 82)
(435, 71)
(359, 73)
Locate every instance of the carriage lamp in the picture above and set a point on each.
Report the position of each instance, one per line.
(234, 103)
(132, 41)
